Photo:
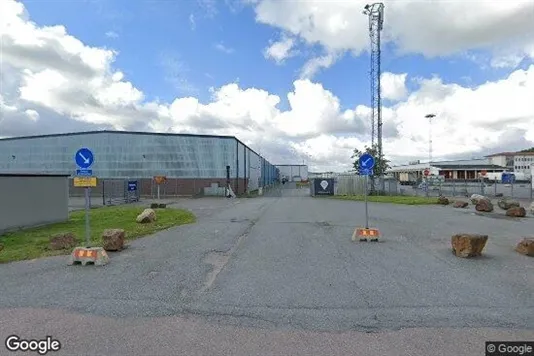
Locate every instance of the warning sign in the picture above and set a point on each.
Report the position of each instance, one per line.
(85, 181)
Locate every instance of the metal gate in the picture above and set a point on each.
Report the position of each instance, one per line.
(120, 191)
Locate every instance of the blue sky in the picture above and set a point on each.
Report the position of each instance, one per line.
(475, 70)
(165, 55)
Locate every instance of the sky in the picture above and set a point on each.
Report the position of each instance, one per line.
(288, 78)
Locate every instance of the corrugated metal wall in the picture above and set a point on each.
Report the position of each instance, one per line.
(124, 155)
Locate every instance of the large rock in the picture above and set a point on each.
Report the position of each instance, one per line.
(113, 239)
(461, 204)
(63, 241)
(517, 212)
(468, 245)
(147, 216)
(526, 246)
(506, 204)
(443, 200)
(484, 205)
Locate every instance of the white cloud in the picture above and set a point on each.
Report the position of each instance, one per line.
(192, 22)
(53, 82)
(314, 65)
(112, 34)
(393, 86)
(221, 47)
(431, 28)
(280, 50)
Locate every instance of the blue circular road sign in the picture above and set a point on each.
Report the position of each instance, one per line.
(367, 161)
(84, 158)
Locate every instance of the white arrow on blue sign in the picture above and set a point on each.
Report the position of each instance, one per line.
(367, 161)
(84, 158)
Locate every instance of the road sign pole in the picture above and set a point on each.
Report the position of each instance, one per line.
(158, 191)
(87, 224)
(366, 210)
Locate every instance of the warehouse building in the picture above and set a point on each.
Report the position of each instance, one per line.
(189, 162)
(453, 170)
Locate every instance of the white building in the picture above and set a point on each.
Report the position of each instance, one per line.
(503, 159)
(523, 162)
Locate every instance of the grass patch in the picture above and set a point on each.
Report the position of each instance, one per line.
(303, 184)
(33, 243)
(392, 199)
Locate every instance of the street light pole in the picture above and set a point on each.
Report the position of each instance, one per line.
(430, 117)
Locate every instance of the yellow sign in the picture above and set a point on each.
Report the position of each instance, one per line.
(85, 181)
(160, 179)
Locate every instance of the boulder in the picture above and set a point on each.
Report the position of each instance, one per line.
(468, 245)
(147, 216)
(443, 200)
(484, 205)
(461, 204)
(526, 246)
(506, 204)
(517, 212)
(476, 197)
(63, 241)
(113, 239)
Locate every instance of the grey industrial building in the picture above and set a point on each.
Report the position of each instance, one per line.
(189, 162)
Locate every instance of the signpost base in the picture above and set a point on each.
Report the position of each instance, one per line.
(93, 255)
(364, 234)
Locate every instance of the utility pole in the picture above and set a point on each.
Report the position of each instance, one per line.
(376, 23)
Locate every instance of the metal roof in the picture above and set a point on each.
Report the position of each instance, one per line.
(501, 154)
(112, 132)
(472, 167)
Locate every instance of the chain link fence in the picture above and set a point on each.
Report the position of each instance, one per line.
(350, 184)
(466, 188)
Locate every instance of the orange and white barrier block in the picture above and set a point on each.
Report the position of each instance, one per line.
(93, 255)
(363, 234)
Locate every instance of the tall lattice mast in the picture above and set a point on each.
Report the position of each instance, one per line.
(376, 22)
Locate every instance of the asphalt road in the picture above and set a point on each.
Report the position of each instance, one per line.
(280, 275)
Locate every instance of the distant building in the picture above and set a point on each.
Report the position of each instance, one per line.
(503, 159)
(523, 162)
(293, 172)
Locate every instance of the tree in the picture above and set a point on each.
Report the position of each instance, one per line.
(381, 164)
(528, 150)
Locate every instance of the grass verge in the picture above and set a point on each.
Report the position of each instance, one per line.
(405, 200)
(33, 243)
